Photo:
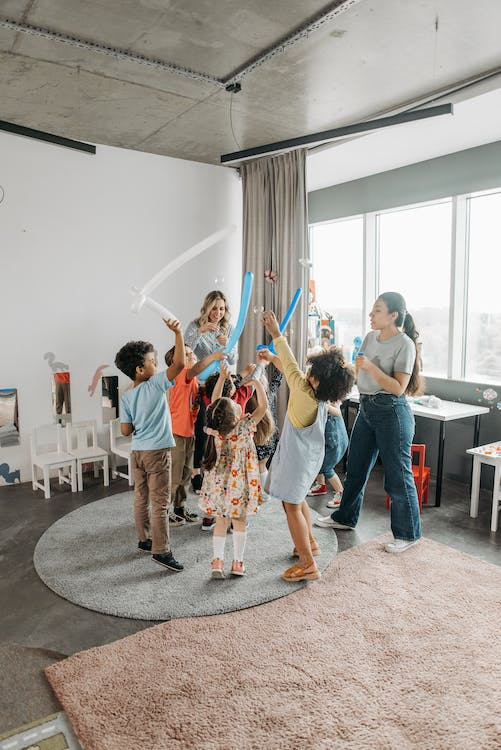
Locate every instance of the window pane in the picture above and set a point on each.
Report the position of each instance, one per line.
(483, 333)
(415, 260)
(337, 255)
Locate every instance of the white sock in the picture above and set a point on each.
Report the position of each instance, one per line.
(239, 539)
(218, 543)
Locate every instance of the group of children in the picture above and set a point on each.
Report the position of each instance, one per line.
(241, 436)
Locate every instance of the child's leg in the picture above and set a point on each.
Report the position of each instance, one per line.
(299, 522)
(177, 465)
(158, 467)
(335, 483)
(218, 542)
(219, 537)
(239, 540)
(141, 505)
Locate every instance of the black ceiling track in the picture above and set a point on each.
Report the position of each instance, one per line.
(39, 135)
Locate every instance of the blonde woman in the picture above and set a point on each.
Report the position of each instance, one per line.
(210, 331)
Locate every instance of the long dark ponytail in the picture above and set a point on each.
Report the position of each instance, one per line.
(396, 303)
(221, 419)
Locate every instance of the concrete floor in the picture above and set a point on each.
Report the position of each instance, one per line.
(32, 615)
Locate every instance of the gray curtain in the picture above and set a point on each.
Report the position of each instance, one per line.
(275, 237)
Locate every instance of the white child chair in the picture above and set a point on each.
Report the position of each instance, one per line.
(120, 446)
(47, 453)
(81, 442)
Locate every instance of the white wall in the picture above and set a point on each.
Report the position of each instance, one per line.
(76, 231)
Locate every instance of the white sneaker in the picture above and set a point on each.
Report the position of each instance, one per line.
(326, 522)
(336, 501)
(399, 545)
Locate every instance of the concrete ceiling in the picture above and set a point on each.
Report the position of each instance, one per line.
(368, 58)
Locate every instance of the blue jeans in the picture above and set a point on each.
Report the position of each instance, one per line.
(385, 425)
(336, 443)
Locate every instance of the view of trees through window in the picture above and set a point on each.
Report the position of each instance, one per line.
(411, 253)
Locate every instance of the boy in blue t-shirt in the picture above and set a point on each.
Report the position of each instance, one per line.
(145, 415)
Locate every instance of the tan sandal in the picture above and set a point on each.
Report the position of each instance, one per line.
(217, 568)
(302, 573)
(238, 568)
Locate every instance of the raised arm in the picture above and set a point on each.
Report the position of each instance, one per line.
(200, 366)
(262, 400)
(179, 358)
(224, 373)
(264, 355)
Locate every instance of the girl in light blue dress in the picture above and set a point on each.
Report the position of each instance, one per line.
(300, 450)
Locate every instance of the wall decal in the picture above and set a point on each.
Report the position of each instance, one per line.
(95, 380)
(53, 364)
(10, 477)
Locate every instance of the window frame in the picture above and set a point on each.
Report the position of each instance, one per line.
(459, 270)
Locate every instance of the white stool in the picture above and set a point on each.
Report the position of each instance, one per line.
(486, 454)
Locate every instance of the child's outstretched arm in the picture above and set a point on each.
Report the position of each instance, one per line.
(262, 400)
(264, 355)
(200, 366)
(224, 373)
(295, 378)
(179, 358)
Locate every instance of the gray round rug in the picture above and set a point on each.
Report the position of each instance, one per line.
(90, 557)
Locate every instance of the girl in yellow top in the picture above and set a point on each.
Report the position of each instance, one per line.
(300, 451)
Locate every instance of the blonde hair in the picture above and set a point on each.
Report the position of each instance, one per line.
(207, 306)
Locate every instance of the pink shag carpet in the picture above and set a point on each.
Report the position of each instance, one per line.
(385, 651)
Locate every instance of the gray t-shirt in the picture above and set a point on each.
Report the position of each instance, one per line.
(393, 355)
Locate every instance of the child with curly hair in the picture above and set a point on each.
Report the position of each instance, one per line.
(231, 488)
(300, 450)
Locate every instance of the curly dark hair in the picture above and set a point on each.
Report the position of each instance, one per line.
(131, 355)
(210, 384)
(220, 417)
(336, 378)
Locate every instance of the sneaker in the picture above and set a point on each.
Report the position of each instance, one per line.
(399, 545)
(238, 568)
(208, 523)
(196, 483)
(186, 514)
(336, 501)
(217, 568)
(144, 546)
(318, 489)
(175, 519)
(326, 522)
(168, 560)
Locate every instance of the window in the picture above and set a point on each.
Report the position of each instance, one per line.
(337, 255)
(483, 320)
(415, 260)
(410, 250)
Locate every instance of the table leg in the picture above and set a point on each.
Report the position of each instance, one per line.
(476, 440)
(475, 486)
(440, 464)
(495, 497)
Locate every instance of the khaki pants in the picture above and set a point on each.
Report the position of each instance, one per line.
(152, 470)
(182, 467)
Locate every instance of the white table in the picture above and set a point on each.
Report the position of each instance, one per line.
(486, 454)
(447, 412)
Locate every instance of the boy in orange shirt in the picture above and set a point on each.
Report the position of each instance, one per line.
(184, 409)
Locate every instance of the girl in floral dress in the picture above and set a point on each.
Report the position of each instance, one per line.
(231, 489)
